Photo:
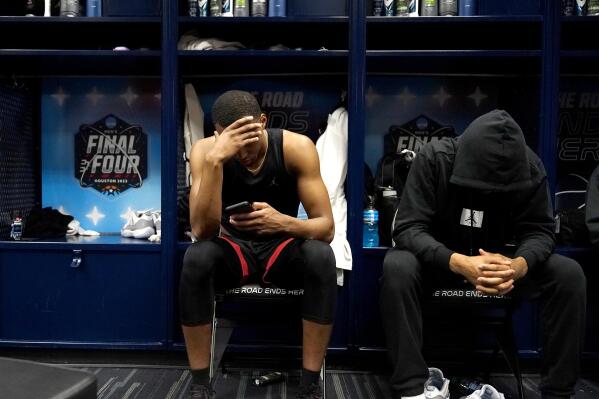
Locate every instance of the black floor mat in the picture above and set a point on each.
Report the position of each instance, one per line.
(173, 383)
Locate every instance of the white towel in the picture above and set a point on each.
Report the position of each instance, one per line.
(332, 151)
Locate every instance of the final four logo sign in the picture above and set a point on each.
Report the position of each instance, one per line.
(111, 155)
(414, 134)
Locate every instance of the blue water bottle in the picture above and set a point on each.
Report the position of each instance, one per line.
(94, 8)
(277, 8)
(468, 8)
(370, 234)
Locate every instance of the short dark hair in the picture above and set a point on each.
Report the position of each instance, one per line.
(233, 105)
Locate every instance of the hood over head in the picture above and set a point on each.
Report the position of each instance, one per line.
(492, 155)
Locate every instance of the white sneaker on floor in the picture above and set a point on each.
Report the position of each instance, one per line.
(485, 392)
(139, 225)
(436, 386)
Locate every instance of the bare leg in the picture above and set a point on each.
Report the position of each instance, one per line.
(316, 341)
(197, 342)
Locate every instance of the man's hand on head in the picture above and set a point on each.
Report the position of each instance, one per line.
(263, 220)
(235, 136)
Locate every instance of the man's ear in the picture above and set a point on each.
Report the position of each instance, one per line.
(263, 120)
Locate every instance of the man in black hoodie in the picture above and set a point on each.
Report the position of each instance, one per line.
(478, 208)
(592, 208)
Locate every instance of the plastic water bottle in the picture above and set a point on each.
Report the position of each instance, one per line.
(402, 8)
(70, 8)
(16, 229)
(94, 8)
(377, 8)
(448, 8)
(430, 8)
(277, 8)
(568, 7)
(193, 8)
(30, 8)
(370, 237)
(242, 8)
(259, 8)
(468, 8)
(216, 8)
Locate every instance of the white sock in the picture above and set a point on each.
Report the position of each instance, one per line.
(421, 396)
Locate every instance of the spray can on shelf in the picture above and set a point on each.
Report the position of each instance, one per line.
(389, 8)
(216, 8)
(242, 8)
(227, 10)
(468, 8)
(414, 8)
(402, 8)
(448, 7)
(259, 8)
(202, 8)
(593, 7)
(69, 8)
(430, 8)
(581, 7)
(277, 8)
(568, 7)
(93, 8)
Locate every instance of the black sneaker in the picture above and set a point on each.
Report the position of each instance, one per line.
(197, 391)
(312, 391)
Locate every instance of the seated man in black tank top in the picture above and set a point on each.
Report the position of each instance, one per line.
(274, 170)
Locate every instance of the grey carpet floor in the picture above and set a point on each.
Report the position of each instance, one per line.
(173, 383)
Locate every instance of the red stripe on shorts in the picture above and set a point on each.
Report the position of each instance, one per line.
(244, 265)
(274, 256)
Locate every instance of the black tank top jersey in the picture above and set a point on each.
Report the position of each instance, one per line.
(272, 184)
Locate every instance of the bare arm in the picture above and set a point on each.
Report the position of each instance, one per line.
(205, 196)
(301, 159)
(206, 162)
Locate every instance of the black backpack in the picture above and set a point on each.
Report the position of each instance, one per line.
(401, 144)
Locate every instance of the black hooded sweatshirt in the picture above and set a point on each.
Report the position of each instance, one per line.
(485, 189)
(592, 208)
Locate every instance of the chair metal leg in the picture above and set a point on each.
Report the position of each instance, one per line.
(323, 375)
(507, 342)
(213, 341)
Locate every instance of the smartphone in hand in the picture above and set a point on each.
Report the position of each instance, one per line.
(241, 207)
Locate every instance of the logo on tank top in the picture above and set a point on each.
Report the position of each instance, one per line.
(472, 218)
(273, 183)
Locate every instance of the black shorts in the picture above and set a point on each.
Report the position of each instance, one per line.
(256, 262)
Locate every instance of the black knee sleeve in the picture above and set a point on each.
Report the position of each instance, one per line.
(196, 291)
(320, 282)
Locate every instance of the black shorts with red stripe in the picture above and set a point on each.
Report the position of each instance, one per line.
(227, 262)
(256, 262)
